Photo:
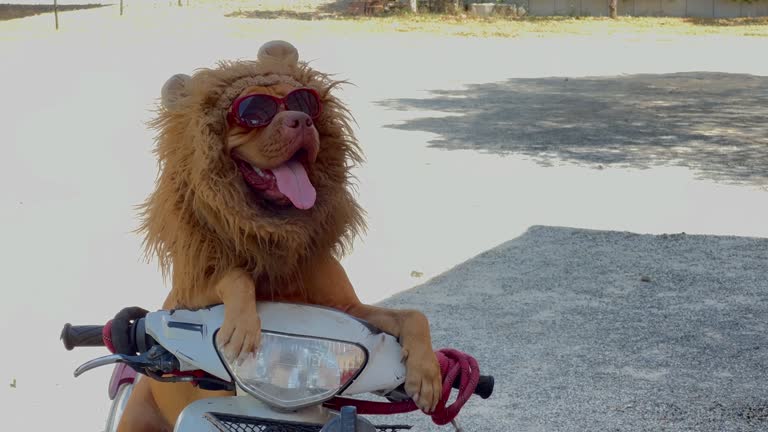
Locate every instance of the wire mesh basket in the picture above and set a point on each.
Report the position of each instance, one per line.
(233, 423)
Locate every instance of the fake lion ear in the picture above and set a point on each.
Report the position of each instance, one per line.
(279, 51)
(174, 89)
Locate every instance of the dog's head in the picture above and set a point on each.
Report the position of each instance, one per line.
(255, 160)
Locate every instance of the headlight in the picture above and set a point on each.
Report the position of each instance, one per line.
(293, 371)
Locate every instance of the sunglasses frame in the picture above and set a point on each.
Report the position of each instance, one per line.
(234, 118)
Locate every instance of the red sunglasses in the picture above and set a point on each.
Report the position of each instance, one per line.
(258, 110)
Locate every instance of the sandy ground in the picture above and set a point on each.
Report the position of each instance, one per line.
(78, 160)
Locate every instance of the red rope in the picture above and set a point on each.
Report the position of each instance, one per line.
(452, 363)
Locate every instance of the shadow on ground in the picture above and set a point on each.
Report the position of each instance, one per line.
(605, 331)
(713, 123)
(15, 11)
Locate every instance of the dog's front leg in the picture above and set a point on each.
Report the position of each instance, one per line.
(327, 284)
(240, 333)
(423, 381)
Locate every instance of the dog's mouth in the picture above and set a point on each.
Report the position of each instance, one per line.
(284, 184)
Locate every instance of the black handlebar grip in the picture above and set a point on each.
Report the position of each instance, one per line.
(484, 387)
(82, 336)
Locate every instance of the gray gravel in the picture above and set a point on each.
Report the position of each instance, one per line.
(609, 331)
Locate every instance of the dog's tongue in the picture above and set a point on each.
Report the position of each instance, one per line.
(292, 181)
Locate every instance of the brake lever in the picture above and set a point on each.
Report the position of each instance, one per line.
(156, 359)
(133, 361)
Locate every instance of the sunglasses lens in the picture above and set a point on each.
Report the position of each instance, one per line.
(303, 100)
(257, 110)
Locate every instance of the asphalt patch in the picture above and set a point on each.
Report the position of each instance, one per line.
(610, 331)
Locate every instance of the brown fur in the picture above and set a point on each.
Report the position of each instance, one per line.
(200, 220)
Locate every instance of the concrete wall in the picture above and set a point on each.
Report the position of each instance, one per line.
(675, 8)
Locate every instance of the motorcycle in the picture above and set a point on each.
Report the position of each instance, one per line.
(310, 360)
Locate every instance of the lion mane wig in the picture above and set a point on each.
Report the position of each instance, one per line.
(201, 219)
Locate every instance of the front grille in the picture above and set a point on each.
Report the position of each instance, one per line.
(232, 423)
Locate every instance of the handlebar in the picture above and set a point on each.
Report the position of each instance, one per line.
(129, 343)
(125, 334)
(82, 336)
(128, 337)
(484, 387)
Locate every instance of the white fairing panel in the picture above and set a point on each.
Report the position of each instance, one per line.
(118, 407)
(189, 336)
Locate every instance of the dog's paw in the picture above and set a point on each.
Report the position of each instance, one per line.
(240, 334)
(423, 382)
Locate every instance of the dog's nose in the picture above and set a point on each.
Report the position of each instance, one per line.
(296, 119)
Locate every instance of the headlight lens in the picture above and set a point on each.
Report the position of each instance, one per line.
(291, 371)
